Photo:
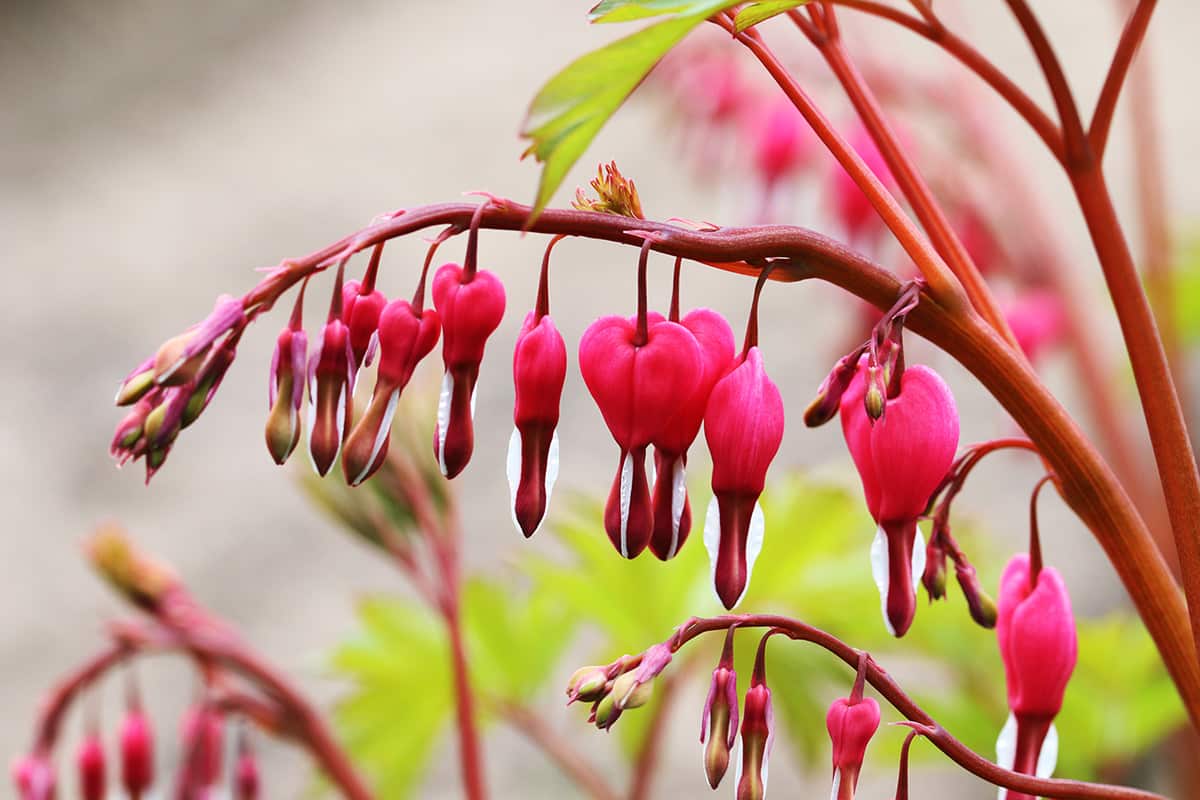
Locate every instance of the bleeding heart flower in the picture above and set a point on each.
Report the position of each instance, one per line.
(743, 425)
(137, 753)
(362, 304)
(901, 459)
(285, 386)
(407, 333)
(90, 762)
(34, 777)
(202, 732)
(758, 732)
(636, 374)
(539, 371)
(782, 141)
(851, 724)
(1037, 319)
(1035, 629)
(719, 722)
(470, 304)
(672, 511)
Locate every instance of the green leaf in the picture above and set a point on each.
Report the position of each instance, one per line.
(630, 10)
(755, 13)
(573, 106)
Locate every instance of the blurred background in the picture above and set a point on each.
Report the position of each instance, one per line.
(153, 154)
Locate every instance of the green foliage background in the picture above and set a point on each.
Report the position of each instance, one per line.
(813, 566)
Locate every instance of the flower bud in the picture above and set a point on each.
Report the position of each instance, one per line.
(981, 606)
(757, 737)
(178, 358)
(851, 726)
(137, 753)
(627, 692)
(246, 781)
(719, 722)
(90, 762)
(588, 684)
(825, 405)
(361, 307)
(202, 732)
(285, 393)
(875, 400)
(139, 381)
(144, 581)
(34, 778)
(934, 576)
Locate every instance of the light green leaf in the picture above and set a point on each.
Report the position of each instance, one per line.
(755, 13)
(630, 10)
(573, 106)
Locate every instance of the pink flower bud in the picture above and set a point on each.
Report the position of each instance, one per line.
(331, 383)
(202, 732)
(471, 305)
(1037, 319)
(137, 753)
(34, 778)
(227, 315)
(855, 212)
(637, 387)
(782, 141)
(719, 722)
(405, 337)
(851, 726)
(361, 307)
(539, 371)
(285, 393)
(901, 459)
(743, 425)
(90, 762)
(1035, 629)
(246, 781)
(672, 511)
(758, 735)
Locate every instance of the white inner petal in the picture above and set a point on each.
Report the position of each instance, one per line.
(879, 571)
(712, 543)
(474, 392)
(626, 491)
(513, 470)
(381, 436)
(1048, 758)
(754, 543)
(837, 783)
(312, 425)
(1006, 749)
(443, 417)
(678, 499)
(918, 560)
(551, 467)
(372, 348)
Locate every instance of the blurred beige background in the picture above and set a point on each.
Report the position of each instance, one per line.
(153, 153)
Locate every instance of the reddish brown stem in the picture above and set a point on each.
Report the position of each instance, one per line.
(975, 61)
(556, 748)
(942, 282)
(1131, 40)
(1088, 484)
(887, 687)
(928, 211)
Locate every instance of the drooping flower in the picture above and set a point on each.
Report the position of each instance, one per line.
(362, 304)
(672, 510)
(246, 780)
(331, 384)
(202, 733)
(901, 458)
(285, 385)
(407, 333)
(782, 141)
(539, 372)
(470, 304)
(1037, 318)
(89, 760)
(719, 722)
(137, 753)
(636, 371)
(743, 426)
(851, 724)
(1035, 630)
(34, 777)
